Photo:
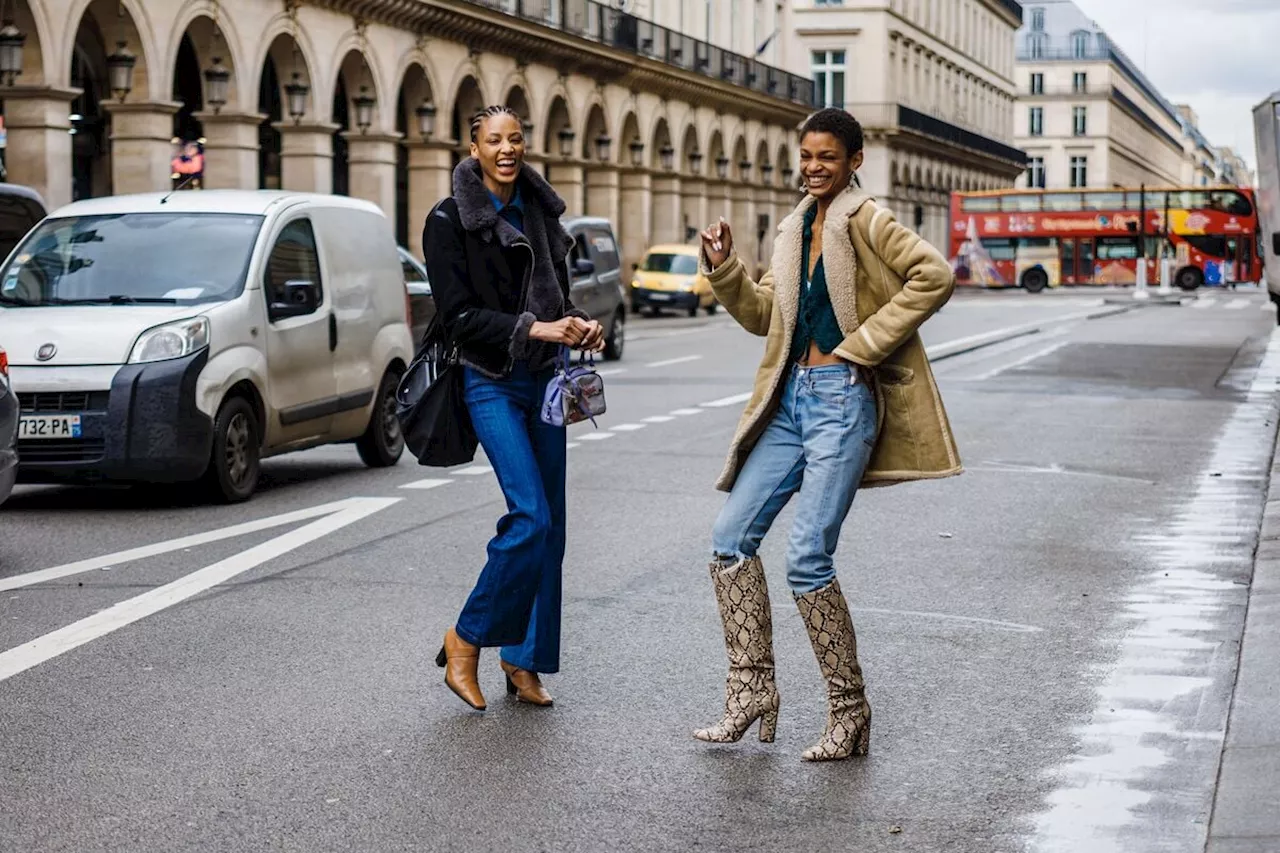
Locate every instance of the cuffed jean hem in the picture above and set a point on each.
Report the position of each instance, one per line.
(799, 588)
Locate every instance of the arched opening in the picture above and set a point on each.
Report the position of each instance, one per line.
(784, 166)
(355, 80)
(557, 120)
(690, 154)
(716, 157)
(517, 100)
(468, 101)
(188, 132)
(594, 132)
(90, 123)
(737, 168)
(32, 71)
(630, 134)
(283, 67)
(764, 168)
(661, 141)
(414, 94)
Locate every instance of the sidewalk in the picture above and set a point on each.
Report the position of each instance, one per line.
(1246, 812)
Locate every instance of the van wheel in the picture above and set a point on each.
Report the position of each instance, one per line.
(1035, 280)
(382, 442)
(617, 339)
(712, 309)
(236, 459)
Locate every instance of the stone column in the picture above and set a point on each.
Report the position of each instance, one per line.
(744, 226)
(567, 178)
(230, 150)
(602, 192)
(372, 159)
(634, 233)
(141, 146)
(693, 205)
(667, 216)
(39, 145)
(306, 157)
(784, 202)
(430, 179)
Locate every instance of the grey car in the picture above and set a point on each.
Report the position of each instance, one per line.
(595, 276)
(8, 430)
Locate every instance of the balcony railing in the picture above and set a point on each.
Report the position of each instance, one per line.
(604, 24)
(947, 132)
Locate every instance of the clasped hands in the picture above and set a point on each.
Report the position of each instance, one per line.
(586, 335)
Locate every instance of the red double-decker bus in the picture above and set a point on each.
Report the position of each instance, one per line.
(1046, 238)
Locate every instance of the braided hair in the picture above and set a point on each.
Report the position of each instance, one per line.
(489, 112)
(840, 124)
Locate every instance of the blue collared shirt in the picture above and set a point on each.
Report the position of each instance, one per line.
(512, 211)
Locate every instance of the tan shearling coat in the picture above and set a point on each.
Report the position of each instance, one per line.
(884, 282)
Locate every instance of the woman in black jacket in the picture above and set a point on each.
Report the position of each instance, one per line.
(495, 254)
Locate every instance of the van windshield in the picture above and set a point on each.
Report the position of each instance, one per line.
(669, 263)
(131, 258)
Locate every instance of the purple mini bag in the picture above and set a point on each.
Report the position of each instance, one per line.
(575, 393)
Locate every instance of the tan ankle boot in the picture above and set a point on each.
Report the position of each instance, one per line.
(826, 618)
(461, 661)
(526, 686)
(750, 693)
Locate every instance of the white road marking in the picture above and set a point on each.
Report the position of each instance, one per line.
(947, 349)
(426, 484)
(474, 471)
(612, 371)
(1204, 302)
(627, 427)
(571, 445)
(595, 436)
(1238, 303)
(686, 412)
(41, 649)
(658, 419)
(1266, 306)
(171, 545)
(670, 361)
(724, 402)
(1021, 362)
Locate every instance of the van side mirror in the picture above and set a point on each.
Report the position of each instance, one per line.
(1275, 244)
(635, 268)
(300, 298)
(583, 266)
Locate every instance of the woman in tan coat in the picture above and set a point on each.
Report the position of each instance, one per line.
(843, 397)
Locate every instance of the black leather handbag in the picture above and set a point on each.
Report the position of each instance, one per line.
(430, 404)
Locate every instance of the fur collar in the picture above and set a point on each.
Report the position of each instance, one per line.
(478, 214)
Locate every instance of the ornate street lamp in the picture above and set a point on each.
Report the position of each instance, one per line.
(667, 155)
(637, 152)
(744, 170)
(787, 173)
(296, 93)
(364, 103)
(120, 71)
(426, 113)
(603, 144)
(11, 41)
(695, 162)
(526, 127)
(566, 136)
(766, 171)
(217, 84)
(722, 167)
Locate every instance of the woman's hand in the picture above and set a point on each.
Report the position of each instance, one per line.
(570, 331)
(717, 242)
(594, 340)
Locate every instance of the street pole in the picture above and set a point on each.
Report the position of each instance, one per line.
(1166, 264)
(1140, 281)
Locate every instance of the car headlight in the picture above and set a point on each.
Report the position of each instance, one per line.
(172, 340)
(688, 283)
(635, 282)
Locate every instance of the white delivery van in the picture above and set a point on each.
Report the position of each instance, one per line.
(1266, 126)
(182, 337)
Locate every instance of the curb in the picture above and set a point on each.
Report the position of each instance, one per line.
(999, 336)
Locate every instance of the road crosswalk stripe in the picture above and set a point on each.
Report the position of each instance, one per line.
(474, 471)
(1204, 302)
(595, 436)
(725, 402)
(626, 427)
(686, 412)
(426, 484)
(658, 419)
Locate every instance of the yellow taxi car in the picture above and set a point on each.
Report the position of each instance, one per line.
(668, 278)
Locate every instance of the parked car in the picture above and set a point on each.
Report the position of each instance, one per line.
(21, 209)
(8, 431)
(422, 305)
(595, 277)
(182, 337)
(668, 278)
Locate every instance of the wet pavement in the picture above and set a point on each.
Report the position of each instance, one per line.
(1050, 641)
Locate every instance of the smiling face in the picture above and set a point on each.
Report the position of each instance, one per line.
(826, 166)
(499, 148)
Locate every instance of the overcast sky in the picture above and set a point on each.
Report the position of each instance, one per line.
(1216, 55)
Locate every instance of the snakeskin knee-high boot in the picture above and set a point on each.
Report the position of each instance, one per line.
(826, 618)
(750, 692)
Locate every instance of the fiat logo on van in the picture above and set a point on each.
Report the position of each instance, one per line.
(46, 352)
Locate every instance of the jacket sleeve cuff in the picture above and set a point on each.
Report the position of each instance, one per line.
(721, 272)
(859, 349)
(520, 345)
(579, 313)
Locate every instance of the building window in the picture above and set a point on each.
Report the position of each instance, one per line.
(1035, 45)
(1079, 82)
(1035, 172)
(828, 2)
(828, 78)
(1036, 121)
(1079, 121)
(1079, 44)
(1037, 20)
(1079, 171)
(1037, 84)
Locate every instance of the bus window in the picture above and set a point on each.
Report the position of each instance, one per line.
(1104, 201)
(1024, 203)
(1062, 201)
(1156, 200)
(983, 204)
(1117, 248)
(1213, 245)
(1231, 202)
(1038, 243)
(1000, 248)
(1133, 200)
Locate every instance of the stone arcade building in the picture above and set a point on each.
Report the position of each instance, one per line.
(655, 130)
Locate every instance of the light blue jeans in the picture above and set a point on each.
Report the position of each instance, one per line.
(818, 444)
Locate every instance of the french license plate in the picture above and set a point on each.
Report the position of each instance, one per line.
(660, 297)
(49, 426)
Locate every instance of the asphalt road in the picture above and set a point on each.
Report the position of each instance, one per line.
(1049, 640)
